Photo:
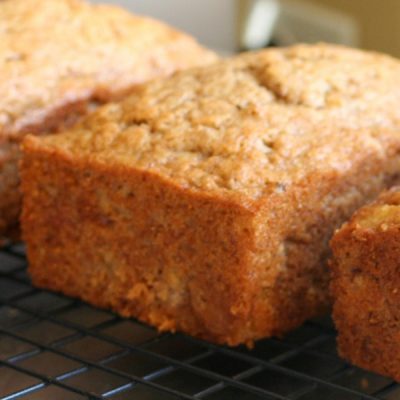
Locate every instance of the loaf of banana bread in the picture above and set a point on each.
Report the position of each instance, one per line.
(205, 202)
(366, 286)
(59, 58)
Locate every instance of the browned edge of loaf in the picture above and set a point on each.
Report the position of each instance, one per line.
(144, 285)
(10, 154)
(97, 253)
(57, 120)
(365, 287)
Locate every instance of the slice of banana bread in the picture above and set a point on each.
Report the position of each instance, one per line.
(205, 202)
(366, 286)
(58, 58)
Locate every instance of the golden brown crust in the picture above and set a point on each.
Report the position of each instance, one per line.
(223, 183)
(365, 286)
(239, 126)
(59, 56)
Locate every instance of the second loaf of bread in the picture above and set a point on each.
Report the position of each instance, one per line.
(205, 202)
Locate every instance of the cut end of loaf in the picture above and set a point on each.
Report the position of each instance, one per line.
(365, 286)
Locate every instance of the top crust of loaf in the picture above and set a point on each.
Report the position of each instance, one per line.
(56, 52)
(249, 125)
(381, 215)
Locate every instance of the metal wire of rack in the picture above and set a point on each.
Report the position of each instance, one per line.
(54, 347)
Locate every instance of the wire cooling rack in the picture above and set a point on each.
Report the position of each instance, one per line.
(54, 347)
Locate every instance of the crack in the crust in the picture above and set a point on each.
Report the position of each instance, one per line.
(253, 72)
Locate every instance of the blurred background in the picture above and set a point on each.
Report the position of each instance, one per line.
(232, 25)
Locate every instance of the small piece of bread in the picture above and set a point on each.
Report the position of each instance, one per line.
(205, 202)
(59, 59)
(366, 286)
